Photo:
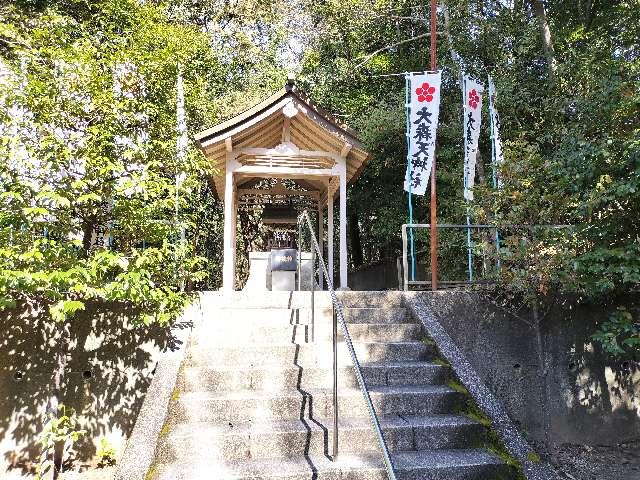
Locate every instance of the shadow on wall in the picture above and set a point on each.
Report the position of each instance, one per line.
(382, 276)
(601, 394)
(577, 394)
(110, 362)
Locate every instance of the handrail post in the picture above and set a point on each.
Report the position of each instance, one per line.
(335, 381)
(405, 266)
(299, 256)
(313, 294)
(338, 316)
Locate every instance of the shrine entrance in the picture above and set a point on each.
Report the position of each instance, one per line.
(284, 155)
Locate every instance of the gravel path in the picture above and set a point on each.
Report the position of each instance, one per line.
(583, 462)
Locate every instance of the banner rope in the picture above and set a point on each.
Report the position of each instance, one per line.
(407, 82)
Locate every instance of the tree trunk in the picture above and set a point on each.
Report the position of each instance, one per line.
(542, 372)
(58, 384)
(517, 7)
(545, 33)
(447, 31)
(480, 169)
(356, 243)
(88, 232)
(485, 235)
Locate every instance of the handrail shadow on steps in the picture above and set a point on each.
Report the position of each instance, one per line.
(338, 317)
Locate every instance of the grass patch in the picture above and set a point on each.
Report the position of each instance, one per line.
(457, 386)
(428, 341)
(175, 395)
(490, 441)
(533, 457)
(151, 473)
(441, 361)
(165, 430)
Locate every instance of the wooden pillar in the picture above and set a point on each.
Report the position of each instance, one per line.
(330, 232)
(229, 266)
(343, 227)
(320, 241)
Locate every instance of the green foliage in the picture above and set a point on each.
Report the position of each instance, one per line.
(88, 159)
(620, 334)
(61, 428)
(88, 138)
(64, 308)
(106, 454)
(570, 134)
(533, 457)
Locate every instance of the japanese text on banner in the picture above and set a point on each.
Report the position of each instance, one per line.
(472, 108)
(424, 109)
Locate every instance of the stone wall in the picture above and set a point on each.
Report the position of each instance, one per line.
(110, 363)
(581, 397)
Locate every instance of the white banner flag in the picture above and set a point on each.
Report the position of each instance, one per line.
(498, 156)
(472, 108)
(424, 108)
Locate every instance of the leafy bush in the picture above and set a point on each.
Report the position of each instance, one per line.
(106, 454)
(61, 428)
(620, 334)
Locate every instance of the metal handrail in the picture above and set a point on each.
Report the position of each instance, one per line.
(405, 226)
(338, 317)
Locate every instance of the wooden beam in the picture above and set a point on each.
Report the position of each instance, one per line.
(330, 234)
(346, 149)
(244, 126)
(344, 261)
(302, 135)
(229, 262)
(278, 191)
(332, 187)
(284, 172)
(314, 131)
(322, 122)
(320, 240)
(228, 144)
(301, 153)
(286, 132)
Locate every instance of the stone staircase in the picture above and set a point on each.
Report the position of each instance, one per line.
(254, 397)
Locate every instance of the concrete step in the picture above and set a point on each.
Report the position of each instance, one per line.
(244, 318)
(249, 405)
(467, 464)
(384, 314)
(224, 300)
(371, 299)
(319, 353)
(422, 465)
(277, 378)
(289, 438)
(302, 333)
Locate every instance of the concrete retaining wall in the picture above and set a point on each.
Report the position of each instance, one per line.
(584, 398)
(110, 365)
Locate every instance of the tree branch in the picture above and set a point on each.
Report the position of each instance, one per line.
(545, 33)
(368, 57)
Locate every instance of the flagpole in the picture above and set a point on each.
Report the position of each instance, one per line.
(407, 88)
(494, 160)
(433, 230)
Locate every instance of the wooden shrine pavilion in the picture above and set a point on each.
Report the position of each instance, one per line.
(284, 137)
